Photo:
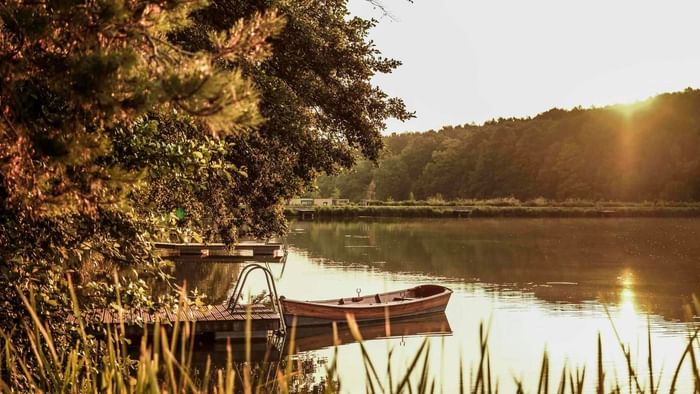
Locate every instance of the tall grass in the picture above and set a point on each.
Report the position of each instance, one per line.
(164, 363)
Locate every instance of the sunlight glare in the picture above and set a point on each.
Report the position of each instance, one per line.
(631, 109)
(626, 318)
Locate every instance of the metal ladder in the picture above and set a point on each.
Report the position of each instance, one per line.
(271, 287)
(283, 260)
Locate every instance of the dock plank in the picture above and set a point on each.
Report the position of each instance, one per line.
(107, 318)
(145, 316)
(197, 314)
(208, 314)
(219, 311)
(213, 319)
(169, 315)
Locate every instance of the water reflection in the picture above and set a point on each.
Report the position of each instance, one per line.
(559, 260)
(215, 280)
(308, 367)
(306, 371)
(320, 337)
(550, 284)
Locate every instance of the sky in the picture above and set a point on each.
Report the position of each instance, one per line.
(469, 61)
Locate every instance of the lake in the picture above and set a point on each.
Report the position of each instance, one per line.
(534, 285)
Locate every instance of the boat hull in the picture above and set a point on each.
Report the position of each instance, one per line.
(304, 313)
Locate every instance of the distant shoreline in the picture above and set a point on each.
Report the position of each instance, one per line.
(476, 211)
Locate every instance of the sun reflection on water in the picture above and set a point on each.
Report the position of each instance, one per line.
(523, 327)
(524, 305)
(627, 317)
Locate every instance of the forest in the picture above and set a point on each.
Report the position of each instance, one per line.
(645, 151)
(123, 124)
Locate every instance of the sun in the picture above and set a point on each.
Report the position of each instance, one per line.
(629, 110)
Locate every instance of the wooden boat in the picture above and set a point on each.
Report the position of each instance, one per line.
(411, 302)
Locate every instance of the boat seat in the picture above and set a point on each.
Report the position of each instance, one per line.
(403, 298)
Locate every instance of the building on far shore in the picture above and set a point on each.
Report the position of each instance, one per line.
(317, 202)
(323, 202)
(300, 202)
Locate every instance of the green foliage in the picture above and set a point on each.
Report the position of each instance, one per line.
(80, 85)
(321, 109)
(643, 151)
(117, 117)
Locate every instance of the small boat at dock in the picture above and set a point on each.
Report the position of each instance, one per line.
(419, 300)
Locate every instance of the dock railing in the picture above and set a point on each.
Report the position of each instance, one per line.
(271, 286)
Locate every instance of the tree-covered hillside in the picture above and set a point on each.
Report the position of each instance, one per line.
(644, 151)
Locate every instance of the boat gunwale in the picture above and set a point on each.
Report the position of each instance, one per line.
(388, 304)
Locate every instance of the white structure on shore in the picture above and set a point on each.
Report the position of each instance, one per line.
(317, 202)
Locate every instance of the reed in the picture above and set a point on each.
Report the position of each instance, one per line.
(164, 363)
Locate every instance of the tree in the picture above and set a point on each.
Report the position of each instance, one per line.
(321, 110)
(336, 193)
(353, 183)
(391, 179)
(645, 151)
(371, 191)
(81, 87)
(117, 115)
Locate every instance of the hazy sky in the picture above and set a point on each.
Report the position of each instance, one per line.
(473, 60)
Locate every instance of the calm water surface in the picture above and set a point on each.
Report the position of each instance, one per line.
(535, 284)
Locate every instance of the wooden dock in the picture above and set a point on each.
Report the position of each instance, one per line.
(259, 248)
(177, 249)
(218, 252)
(606, 213)
(216, 321)
(306, 213)
(225, 259)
